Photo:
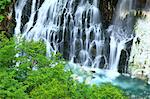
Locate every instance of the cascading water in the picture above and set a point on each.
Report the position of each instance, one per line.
(65, 26)
(74, 28)
(121, 32)
(87, 35)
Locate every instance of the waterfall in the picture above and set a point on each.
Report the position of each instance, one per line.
(69, 25)
(18, 13)
(121, 32)
(86, 34)
(74, 28)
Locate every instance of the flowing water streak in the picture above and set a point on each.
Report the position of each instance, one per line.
(88, 24)
(43, 22)
(115, 52)
(121, 33)
(29, 24)
(43, 26)
(18, 13)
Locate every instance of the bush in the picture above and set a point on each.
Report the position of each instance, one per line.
(7, 51)
(33, 75)
(10, 87)
(107, 91)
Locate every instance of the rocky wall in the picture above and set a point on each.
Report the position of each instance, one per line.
(140, 54)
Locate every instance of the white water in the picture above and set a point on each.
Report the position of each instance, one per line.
(86, 12)
(121, 32)
(80, 24)
(75, 30)
(18, 13)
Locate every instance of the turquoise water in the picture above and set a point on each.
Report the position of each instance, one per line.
(133, 87)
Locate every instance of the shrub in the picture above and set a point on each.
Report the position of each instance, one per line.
(107, 91)
(10, 87)
(7, 51)
(33, 75)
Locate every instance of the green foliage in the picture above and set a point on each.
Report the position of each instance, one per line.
(107, 91)
(3, 5)
(49, 82)
(7, 51)
(1, 18)
(33, 75)
(9, 87)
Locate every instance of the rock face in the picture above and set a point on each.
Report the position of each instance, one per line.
(140, 54)
(107, 10)
(8, 23)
